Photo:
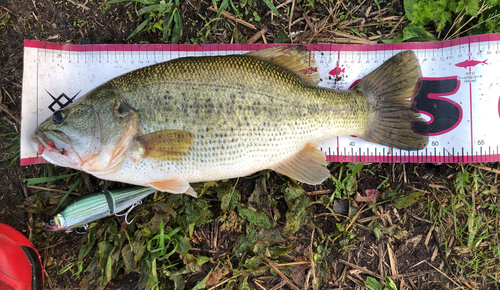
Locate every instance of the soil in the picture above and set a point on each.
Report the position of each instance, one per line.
(69, 22)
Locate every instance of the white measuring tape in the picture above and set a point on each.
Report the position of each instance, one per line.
(459, 93)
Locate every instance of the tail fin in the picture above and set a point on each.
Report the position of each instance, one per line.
(388, 89)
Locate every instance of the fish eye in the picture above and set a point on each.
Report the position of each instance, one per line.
(52, 222)
(121, 109)
(58, 117)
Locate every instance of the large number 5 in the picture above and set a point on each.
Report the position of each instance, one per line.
(445, 114)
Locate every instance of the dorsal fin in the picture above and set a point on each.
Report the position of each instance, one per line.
(296, 59)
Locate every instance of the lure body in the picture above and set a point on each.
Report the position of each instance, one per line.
(97, 205)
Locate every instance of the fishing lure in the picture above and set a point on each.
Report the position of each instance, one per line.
(97, 205)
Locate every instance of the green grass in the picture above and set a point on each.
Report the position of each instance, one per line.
(467, 218)
(10, 148)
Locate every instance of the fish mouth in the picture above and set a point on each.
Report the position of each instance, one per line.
(43, 143)
(54, 228)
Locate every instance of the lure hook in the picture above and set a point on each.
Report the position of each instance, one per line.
(85, 227)
(128, 211)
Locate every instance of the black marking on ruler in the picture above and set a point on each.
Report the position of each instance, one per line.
(57, 101)
(445, 156)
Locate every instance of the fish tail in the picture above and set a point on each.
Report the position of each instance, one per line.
(391, 114)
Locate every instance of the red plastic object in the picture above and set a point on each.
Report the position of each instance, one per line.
(20, 263)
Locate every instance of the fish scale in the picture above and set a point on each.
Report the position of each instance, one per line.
(248, 126)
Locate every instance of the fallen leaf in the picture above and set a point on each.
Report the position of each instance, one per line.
(216, 276)
(371, 196)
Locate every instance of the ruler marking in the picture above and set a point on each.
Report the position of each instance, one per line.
(470, 104)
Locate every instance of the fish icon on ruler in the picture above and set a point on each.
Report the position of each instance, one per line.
(470, 63)
(337, 71)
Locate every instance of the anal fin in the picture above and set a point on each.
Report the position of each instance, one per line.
(307, 166)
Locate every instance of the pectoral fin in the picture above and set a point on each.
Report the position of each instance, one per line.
(307, 166)
(169, 145)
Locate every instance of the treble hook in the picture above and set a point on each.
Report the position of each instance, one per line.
(128, 211)
(85, 227)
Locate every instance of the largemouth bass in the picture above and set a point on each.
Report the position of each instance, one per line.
(199, 119)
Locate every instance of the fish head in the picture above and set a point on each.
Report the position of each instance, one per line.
(57, 223)
(90, 135)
